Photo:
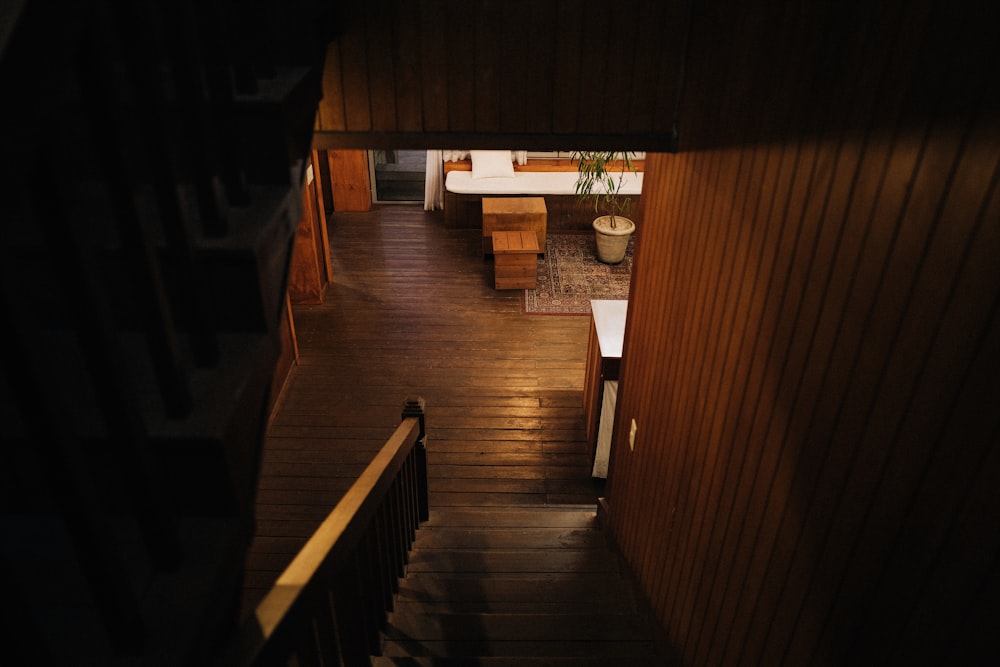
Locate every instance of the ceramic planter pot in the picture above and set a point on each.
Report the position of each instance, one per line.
(612, 243)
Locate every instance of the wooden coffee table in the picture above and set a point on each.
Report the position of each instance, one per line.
(513, 214)
(515, 260)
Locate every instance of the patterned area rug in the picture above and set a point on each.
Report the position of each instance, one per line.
(569, 276)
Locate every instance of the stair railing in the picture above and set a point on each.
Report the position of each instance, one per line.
(331, 602)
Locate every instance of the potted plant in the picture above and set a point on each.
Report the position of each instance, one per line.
(602, 174)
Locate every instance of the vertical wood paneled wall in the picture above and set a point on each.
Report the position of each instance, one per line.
(350, 183)
(545, 74)
(813, 347)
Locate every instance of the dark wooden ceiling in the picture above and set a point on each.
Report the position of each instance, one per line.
(535, 74)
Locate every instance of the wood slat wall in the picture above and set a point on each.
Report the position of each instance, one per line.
(521, 73)
(350, 184)
(812, 350)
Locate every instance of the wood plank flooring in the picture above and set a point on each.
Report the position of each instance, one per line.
(412, 310)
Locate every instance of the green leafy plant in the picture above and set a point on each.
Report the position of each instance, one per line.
(602, 174)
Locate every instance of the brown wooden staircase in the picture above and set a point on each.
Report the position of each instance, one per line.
(516, 586)
(386, 581)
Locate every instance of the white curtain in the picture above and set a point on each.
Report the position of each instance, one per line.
(434, 178)
(434, 181)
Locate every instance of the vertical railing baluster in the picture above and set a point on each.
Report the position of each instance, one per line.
(415, 408)
(349, 612)
(414, 494)
(394, 520)
(399, 530)
(329, 611)
(404, 509)
(325, 628)
(389, 544)
(385, 554)
(373, 561)
(404, 525)
(307, 649)
(409, 495)
(372, 605)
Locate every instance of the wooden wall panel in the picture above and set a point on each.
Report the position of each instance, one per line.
(352, 80)
(487, 67)
(288, 358)
(331, 111)
(513, 65)
(540, 67)
(406, 43)
(307, 275)
(524, 74)
(621, 62)
(568, 78)
(433, 84)
(812, 346)
(593, 67)
(322, 183)
(462, 63)
(652, 59)
(349, 180)
(380, 57)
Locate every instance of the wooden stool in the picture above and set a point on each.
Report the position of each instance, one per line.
(511, 214)
(515, 259)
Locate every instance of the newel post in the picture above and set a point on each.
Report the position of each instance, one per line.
(414, 407)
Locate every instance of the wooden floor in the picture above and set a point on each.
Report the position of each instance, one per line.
(413, 311)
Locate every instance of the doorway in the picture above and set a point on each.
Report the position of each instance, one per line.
(397, 175)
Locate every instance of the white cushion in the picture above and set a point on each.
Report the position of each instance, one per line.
(530, 183)
(492, 164)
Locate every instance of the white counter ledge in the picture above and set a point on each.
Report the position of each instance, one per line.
(609, 318)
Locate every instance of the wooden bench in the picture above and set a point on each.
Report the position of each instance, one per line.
(515, 259)
(564, 212)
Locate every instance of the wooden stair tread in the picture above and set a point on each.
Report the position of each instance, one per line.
(507, 517)
(624, 652)
(500, 561)
(565, 587)
(509, 538)
(518, 627)
(521, 661)
(602, 605)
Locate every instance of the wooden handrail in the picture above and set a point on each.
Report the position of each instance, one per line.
(332, 599)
